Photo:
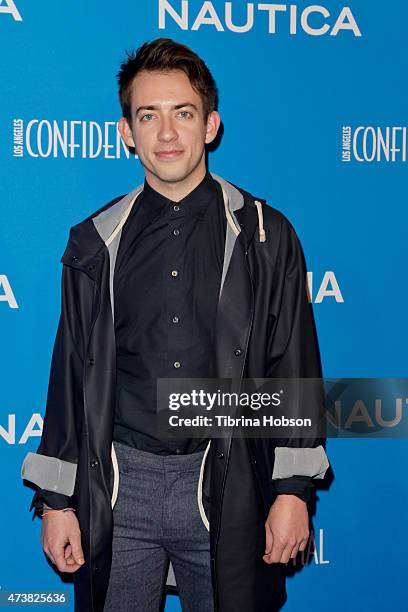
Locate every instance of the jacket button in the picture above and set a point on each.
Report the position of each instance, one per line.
(220, 454)
(94, 463)
(91, 361)
(237, 352)
(75, 258)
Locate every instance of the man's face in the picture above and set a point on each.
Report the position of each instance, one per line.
(168, 130)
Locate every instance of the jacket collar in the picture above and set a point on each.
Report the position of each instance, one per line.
(87, 238)
(195, 203)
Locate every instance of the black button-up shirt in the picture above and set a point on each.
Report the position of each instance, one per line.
(166, 289)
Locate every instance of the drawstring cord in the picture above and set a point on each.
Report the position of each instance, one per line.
(262, 234)
(230, 219)
(115, 467)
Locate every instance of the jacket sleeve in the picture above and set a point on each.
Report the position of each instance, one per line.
(52, 469)
(293, 352)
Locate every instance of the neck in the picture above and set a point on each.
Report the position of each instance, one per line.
(176, 190)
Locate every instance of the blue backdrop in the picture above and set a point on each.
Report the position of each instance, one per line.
(314, 105)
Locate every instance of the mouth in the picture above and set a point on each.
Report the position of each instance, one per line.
(172, 154)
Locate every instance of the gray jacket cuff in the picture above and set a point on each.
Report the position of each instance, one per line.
(304, 461)
(49, 473)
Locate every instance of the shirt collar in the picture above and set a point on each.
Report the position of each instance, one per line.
(195, 203)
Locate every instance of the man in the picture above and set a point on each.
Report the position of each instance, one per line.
(185, 276)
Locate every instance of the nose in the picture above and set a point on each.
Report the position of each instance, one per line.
(167, 131)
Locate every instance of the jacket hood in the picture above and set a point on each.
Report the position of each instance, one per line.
(102, 228)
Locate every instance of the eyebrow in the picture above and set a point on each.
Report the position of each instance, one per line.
(175, 107)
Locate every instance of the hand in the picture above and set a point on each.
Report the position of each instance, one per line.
(286, 529)
(61, 540)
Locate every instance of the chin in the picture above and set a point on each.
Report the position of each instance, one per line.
(172, 175)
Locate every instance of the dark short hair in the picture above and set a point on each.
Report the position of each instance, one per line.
(163, 55)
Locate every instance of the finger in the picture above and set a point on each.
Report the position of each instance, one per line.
(286, 553)
(68, 555)
(275, 553)
(63, 565)
(267, 559)
(268, 539)
(303, 544)
(70, 569)
(77, 552)
(58, 554)
(70, 560)
(49, 555)
(294, 552)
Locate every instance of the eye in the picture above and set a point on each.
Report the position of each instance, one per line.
(146, 117)
(185, 114)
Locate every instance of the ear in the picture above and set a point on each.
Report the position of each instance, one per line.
(126, 132)
(213, 123)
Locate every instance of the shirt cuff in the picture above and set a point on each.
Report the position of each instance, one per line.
(301, 486)
(56, 501)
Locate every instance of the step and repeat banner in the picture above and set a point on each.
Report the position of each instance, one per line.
(313, 100)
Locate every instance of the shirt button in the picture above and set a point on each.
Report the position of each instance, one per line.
(94, 463)
(176, 208)
(177, 364)
(174, 273)
(237, 352)
(178, 451)
(175, 319)
(176, 232)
